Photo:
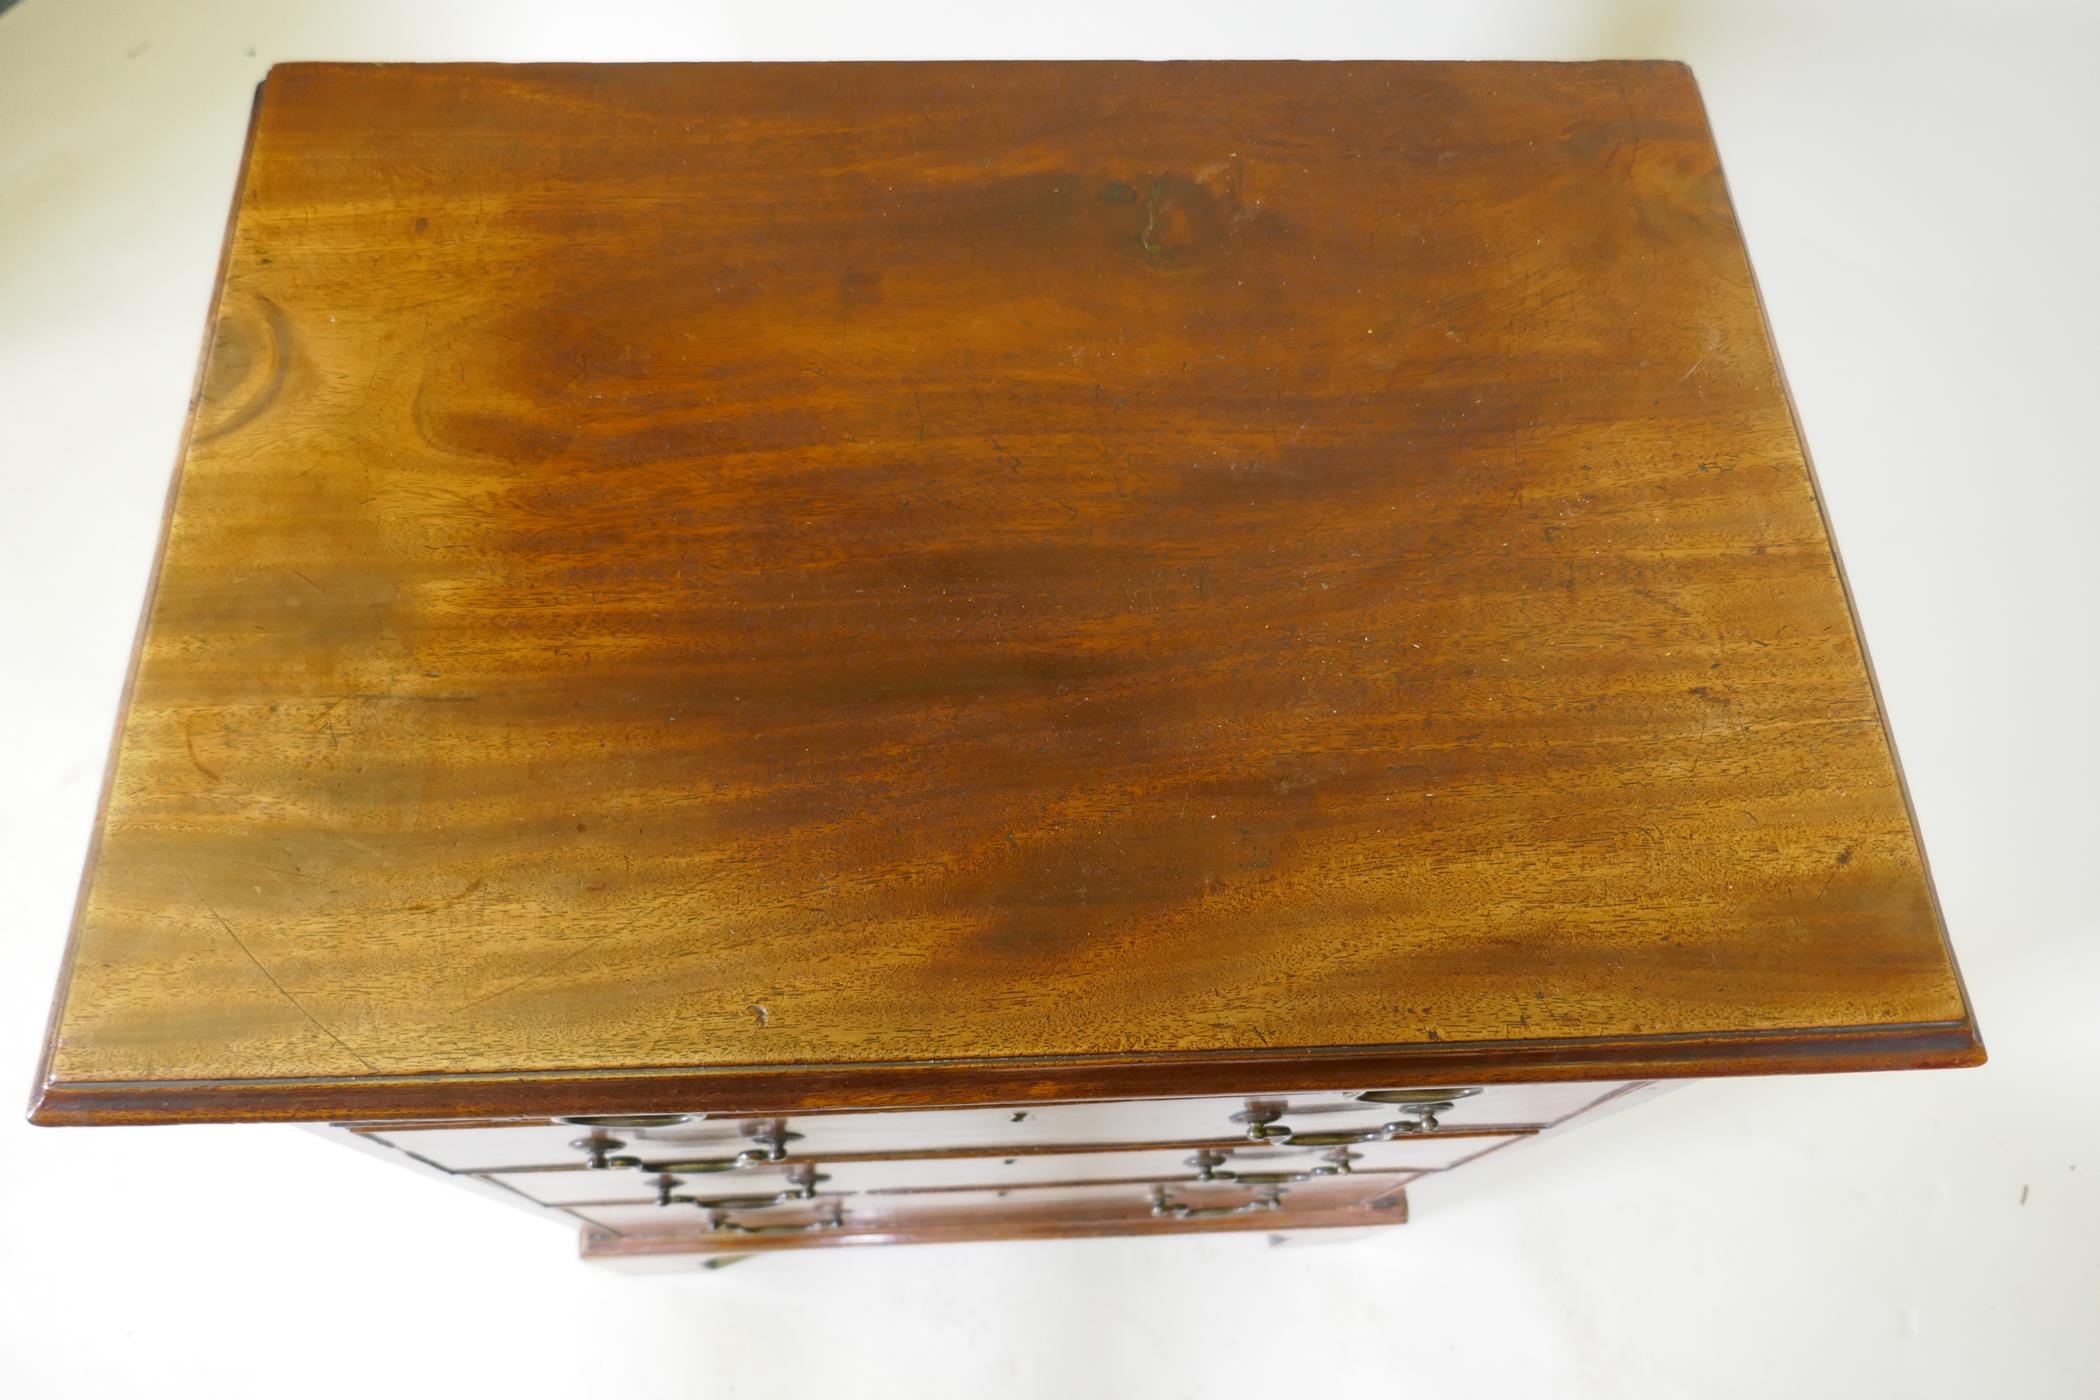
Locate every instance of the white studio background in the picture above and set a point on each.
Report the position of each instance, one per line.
(1917, 184)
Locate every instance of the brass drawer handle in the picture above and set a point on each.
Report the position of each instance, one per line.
(720, 1203)
(803, 1182)
(772, 1143)
(774, 1138)
(1420, 1108)
(1268, 1198)
(1287, 1136)
(1284, 1135)
(1338, 1162)
(1423, 1105)
(1441, 1098)
(702, 1166)
(598, 1150)
(629, 1120)
(1210, 1166)
(835, 1219)
(1291, 1137)
(1258, 1121)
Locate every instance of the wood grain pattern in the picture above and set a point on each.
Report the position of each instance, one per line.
(768, 586)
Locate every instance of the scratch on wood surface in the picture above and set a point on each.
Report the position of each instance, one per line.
(446, 903)
(189, 743)
(557, 965)
(1652, 596)
(1633, 133)
(271, 978)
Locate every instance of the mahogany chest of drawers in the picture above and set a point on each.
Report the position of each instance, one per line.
(757, 656)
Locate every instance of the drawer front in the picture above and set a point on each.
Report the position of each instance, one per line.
(1102, 1202)
(670, 1137)
(579, 1186)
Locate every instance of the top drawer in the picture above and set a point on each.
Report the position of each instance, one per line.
(1309, 1116)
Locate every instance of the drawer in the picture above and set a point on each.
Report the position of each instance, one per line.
(577, 1186)
(1076, 1204)
(656, 1137)
(1429, 1153)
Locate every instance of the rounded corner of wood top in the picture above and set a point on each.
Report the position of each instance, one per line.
(45, 1108)
(1970, 1053)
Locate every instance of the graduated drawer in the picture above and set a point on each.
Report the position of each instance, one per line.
(660, 1137)
(1076, 1203)
(573, 1186)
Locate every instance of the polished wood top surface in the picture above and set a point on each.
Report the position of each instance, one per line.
(806, 584)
